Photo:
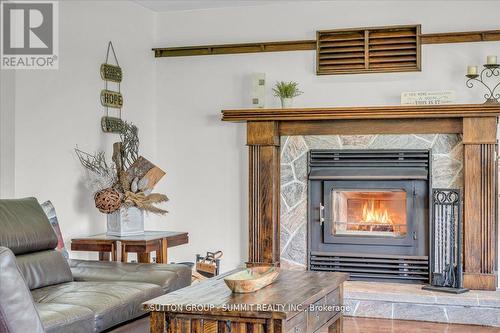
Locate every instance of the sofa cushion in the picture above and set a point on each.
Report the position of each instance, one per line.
(64, 318)
(44, 268)
(17, 310)
(25, 227)
(168, 276)
(111, 302)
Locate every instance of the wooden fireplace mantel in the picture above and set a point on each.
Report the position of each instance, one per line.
(477, 123)
(363, 112)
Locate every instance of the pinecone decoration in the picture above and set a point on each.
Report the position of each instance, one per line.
(108, 200)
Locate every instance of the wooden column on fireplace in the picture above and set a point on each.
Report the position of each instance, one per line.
(264, 197)
(477, 123)
(480, 202)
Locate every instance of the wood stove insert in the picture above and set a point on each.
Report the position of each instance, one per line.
(368, 213)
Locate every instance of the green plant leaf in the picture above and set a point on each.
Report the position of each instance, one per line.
(286, 89)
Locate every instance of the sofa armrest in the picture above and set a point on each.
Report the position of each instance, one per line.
(18, 313)
(168, 276)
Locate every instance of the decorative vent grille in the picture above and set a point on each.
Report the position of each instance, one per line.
(371, 266)
(365, 50)
(358, 158)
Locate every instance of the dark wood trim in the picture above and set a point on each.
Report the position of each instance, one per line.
(92, 245)
(161, 255)
(264, 193)
(368, 112)
(480, 130)
(480, 281)
(124, 253)
(310, 44)
(177, 240)
(264, 203)
(143, 248)
(183, 51)
(144, 258)
(104, 256)
(371, 126)
(480, 203)
(158, 322)
(461, 37)
(263, 133)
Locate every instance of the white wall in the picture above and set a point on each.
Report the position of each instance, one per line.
(206, 158)
(58, 109)
(7, 132)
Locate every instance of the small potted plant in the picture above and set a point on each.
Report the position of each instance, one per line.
(286, 91)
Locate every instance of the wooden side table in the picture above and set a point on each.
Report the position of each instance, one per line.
(143, 245)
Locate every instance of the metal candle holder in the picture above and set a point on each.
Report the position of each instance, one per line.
(489, 71)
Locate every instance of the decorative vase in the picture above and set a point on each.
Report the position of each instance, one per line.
(125, 222)
(286, 102)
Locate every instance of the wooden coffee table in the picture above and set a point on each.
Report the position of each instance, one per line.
(297, 302)
(143, 245)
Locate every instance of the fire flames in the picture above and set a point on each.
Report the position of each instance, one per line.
(375, 215)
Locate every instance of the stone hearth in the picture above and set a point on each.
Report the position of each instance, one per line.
(447, 153)
(410, 302)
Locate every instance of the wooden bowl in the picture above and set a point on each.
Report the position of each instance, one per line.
(251, 279)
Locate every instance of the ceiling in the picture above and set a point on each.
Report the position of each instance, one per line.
(174, 5)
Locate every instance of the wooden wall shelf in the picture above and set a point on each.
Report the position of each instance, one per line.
(183, 51)
(461, 37)
(368, 112)
(306, 45)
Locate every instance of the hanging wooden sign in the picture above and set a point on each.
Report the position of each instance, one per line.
(111, 73)
(111, 99)
(111, 124)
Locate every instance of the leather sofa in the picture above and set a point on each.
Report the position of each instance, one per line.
(40, 291)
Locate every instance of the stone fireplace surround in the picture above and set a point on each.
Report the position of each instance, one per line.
(447, 153)
(476, 123)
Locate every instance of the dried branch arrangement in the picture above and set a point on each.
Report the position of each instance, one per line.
(128, 180)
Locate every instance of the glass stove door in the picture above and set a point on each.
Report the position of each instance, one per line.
(367, 212)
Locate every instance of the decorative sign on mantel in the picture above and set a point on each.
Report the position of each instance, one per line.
(110, 98)
(427, 97)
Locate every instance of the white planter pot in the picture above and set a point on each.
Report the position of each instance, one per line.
(126, 222)
(286, 103)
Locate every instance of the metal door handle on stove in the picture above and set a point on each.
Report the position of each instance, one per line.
(321, 214)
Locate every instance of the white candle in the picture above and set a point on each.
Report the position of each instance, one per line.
(491, 60)
(471, 70)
